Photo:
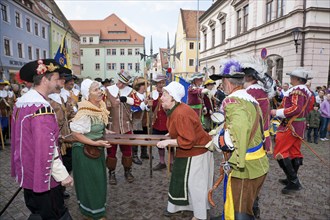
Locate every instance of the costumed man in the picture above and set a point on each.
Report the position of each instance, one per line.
(293, 110)
(208, 105)
(69, 93)
(195, 93)
(243, 137)
(6, 102)
(159, 118)
(139, 116)
(261, 87)
(36, 161)
(64, 113)
(119, 97)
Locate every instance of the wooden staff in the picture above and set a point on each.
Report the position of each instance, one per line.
(1, 136)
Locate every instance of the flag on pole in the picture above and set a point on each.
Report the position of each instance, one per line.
(62, 56)
(185, 84)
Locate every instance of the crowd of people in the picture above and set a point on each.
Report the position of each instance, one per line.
(58, 133)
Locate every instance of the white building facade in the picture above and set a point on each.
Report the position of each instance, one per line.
(265, 28)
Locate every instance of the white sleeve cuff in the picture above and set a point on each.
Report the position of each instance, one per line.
(130, 101)
(59, 171)
(143, 106)
(280, 113)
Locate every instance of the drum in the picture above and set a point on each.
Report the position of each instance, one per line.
(218, 118)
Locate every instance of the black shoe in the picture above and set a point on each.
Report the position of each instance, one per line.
(309, 141)
(170, 214)
(292, 187)
(136, 160)
(159, 166)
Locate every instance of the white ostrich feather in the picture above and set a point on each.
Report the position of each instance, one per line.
(254, 62)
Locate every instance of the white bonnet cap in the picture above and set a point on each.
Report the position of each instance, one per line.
(85, 86)
(176, 90)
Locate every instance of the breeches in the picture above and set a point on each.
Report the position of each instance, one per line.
(245, 192)
(287, 145)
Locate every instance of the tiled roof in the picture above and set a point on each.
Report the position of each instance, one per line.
(111, 28)
(189, 22)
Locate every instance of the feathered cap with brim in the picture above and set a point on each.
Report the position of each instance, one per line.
(69, 77)
(209, 82)
(124, 77)
(196, 76)
(229, 68)
(4, 82)
(41, 67)
(257, 68)
(300, 72)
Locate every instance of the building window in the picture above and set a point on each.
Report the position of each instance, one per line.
(122, 66)
(97, 66)
(137, 67)
(205, 40)
(84, 39)
(129, 66)
(108, 51)
(213, 35)
(122, 51)
(269, 11)
(137, 51)
(97, 52)
(81, 52)
(82, 66)
(18, 19)
(43, 32)
(130, 52)
(37, 53)
(191, 62)
(90, 39)
(223, 32)
(28, 25)
(30, 52)
(7, 47)
(36, 29)
(280, 8)
(20, 50)
(111, 66)
(245, 18)
(4, 13)
(191, 45)
(45, 54)
(113, 51)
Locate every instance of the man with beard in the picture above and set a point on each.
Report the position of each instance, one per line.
(36, 162)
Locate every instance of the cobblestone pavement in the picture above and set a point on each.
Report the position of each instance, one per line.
(146, 198)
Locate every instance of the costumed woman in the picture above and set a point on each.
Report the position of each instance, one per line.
(192, 174)
(88, 158)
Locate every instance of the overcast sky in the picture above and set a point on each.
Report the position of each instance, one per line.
(148, 18)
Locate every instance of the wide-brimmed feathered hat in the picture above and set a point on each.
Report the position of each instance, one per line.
(41, 67)
(196, 76)
(229, 68)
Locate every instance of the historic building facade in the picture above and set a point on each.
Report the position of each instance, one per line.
(108, 46)
(288, 34)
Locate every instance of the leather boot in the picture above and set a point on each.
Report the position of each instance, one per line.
(136, 159)
(111, 164)
(243, 216)
(294, 184)
(255, 208)
(283, 181)
(127, 163)
(296, 163)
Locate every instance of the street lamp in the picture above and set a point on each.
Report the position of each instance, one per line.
(296, 35)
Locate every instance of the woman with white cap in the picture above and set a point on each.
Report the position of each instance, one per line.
(192, 174)
(88, 158)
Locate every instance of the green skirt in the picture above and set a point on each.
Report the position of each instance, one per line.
(90, 182)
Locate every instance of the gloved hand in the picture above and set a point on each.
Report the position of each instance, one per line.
(123, 99)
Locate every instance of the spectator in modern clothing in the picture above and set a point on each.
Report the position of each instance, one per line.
(325, 118)
(320, 97)
(313, 123)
